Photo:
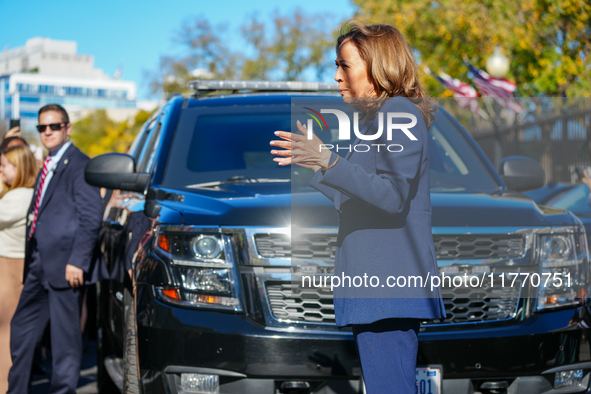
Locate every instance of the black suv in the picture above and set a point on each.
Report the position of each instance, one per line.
(196, 241)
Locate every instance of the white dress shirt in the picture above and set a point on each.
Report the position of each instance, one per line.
(51, 166)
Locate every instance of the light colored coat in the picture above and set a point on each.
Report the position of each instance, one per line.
(13, 212)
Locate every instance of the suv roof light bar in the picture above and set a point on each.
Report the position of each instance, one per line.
(209, 85)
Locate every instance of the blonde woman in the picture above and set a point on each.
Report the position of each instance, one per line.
(18, 171)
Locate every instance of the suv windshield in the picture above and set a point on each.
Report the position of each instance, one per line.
(455, 166)
(216, 145)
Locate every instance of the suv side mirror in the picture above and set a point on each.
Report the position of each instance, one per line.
(115, 171)
(522, 173)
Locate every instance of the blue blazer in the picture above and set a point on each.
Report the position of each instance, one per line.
(384, 205)
(68, 222)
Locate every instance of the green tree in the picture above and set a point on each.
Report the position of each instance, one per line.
(205, 50)
(297, 42)
(548, 42)
(97, 133)
(290, 47)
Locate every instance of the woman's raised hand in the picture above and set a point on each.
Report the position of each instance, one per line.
(300, 150)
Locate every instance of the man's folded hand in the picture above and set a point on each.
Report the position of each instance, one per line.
(74, 276)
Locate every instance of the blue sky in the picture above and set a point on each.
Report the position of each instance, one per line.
(136, 33)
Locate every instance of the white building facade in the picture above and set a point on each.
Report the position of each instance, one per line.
(47, 71)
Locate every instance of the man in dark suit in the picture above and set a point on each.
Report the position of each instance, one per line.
(63, 223)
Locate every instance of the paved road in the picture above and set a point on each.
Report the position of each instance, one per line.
(87, 381)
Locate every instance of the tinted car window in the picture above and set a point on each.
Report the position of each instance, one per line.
(146, 160)
(455, 166)
(138, 142)
(219, 143)
(144, 143)
(234, 142)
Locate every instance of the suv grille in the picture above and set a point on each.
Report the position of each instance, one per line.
(295, 303)
(447, 247)
(308, 246)
(314, 305)
(466, 305)
(468, 246)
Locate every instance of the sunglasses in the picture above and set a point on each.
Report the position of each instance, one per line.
(53, 126)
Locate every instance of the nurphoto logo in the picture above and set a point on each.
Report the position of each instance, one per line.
(345, 129)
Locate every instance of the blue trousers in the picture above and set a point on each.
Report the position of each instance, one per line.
(38, 304)
(388, 353)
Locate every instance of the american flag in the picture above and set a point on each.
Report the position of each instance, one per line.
(465, 94)
(498, 88)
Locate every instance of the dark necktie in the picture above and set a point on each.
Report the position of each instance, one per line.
(38, 197)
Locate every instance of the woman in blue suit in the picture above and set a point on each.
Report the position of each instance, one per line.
(383, 200)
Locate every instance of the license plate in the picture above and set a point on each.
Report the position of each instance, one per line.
(428, 380)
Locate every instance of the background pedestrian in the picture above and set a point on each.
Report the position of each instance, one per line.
(18, 170)
(62, 227)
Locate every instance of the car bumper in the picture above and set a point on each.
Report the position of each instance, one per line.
(240, 351)
(249, 357)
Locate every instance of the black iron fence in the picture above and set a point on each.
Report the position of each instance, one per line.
(554, 131)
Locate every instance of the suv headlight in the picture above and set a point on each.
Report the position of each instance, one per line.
(563, 270)
(203, 270)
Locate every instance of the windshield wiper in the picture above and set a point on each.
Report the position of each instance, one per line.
(238, 179)
(440, 186)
